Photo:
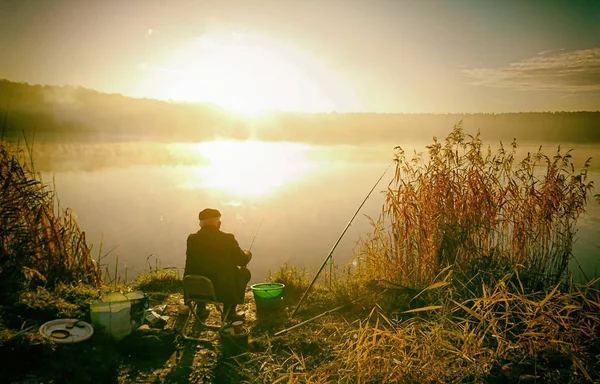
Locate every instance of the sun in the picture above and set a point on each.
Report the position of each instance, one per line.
(247, 74)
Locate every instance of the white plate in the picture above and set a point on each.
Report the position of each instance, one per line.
(76, 334)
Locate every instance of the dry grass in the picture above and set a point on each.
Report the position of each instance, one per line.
(467, 270)
(159, 280)
(504, 335)
(38, 243)
(467, 266)
(471, 208)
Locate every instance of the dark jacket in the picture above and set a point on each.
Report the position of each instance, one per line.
(216, 255)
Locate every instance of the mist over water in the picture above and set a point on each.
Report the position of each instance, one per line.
(147, 211)
(141, 200)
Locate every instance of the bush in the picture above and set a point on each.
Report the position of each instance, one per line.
(295, 280)
(65, 301)
(160, 280)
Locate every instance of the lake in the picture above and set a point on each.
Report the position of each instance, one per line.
(138, 202)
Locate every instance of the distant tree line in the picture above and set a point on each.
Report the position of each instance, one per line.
(78, 114)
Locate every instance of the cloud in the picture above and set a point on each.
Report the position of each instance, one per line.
(550, 51)
(574, 71)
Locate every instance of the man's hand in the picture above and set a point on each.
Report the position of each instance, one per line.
(249, 254)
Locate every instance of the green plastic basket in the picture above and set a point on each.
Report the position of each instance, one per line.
(267, 295)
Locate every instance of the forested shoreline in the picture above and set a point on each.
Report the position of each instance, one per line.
(78, 114)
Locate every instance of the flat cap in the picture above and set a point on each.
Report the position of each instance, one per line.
(208, 213)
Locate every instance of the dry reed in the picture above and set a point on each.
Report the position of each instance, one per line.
(38, 243)
(471, 208)
(504, 335)
(472, 249)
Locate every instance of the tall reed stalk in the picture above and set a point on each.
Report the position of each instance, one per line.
(37, 242)
(465, 206)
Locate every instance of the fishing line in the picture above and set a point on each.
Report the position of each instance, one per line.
(256, 231)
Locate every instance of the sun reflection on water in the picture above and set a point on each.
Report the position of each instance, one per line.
(249, 168)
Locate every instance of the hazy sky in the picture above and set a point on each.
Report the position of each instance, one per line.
(376, 55)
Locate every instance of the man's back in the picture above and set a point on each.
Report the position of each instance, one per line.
(216, 255)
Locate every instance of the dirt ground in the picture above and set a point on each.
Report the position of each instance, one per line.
(176, 360)
(157, 355)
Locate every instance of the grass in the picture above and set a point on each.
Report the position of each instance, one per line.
(472, 209)
(46, 272)
(64, 301)
(463, 279)
(159, 280)
(39, 243)
(27, 356)
(505, 335)
(295, 280)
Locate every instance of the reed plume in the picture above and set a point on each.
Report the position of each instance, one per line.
(466, 206)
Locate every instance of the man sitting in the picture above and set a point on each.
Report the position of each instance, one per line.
(218, 256)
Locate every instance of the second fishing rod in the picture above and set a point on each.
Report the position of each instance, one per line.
(337, 242)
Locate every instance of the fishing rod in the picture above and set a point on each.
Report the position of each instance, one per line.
(255, 232)
(353, 302)
(337, 242)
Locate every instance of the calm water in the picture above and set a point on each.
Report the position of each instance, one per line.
(142, 200)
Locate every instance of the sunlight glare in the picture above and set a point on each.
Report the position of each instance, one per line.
(249, 168)
(249, 74)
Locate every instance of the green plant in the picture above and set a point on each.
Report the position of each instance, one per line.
(295, 280)
(160, 280)
(64, 301)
